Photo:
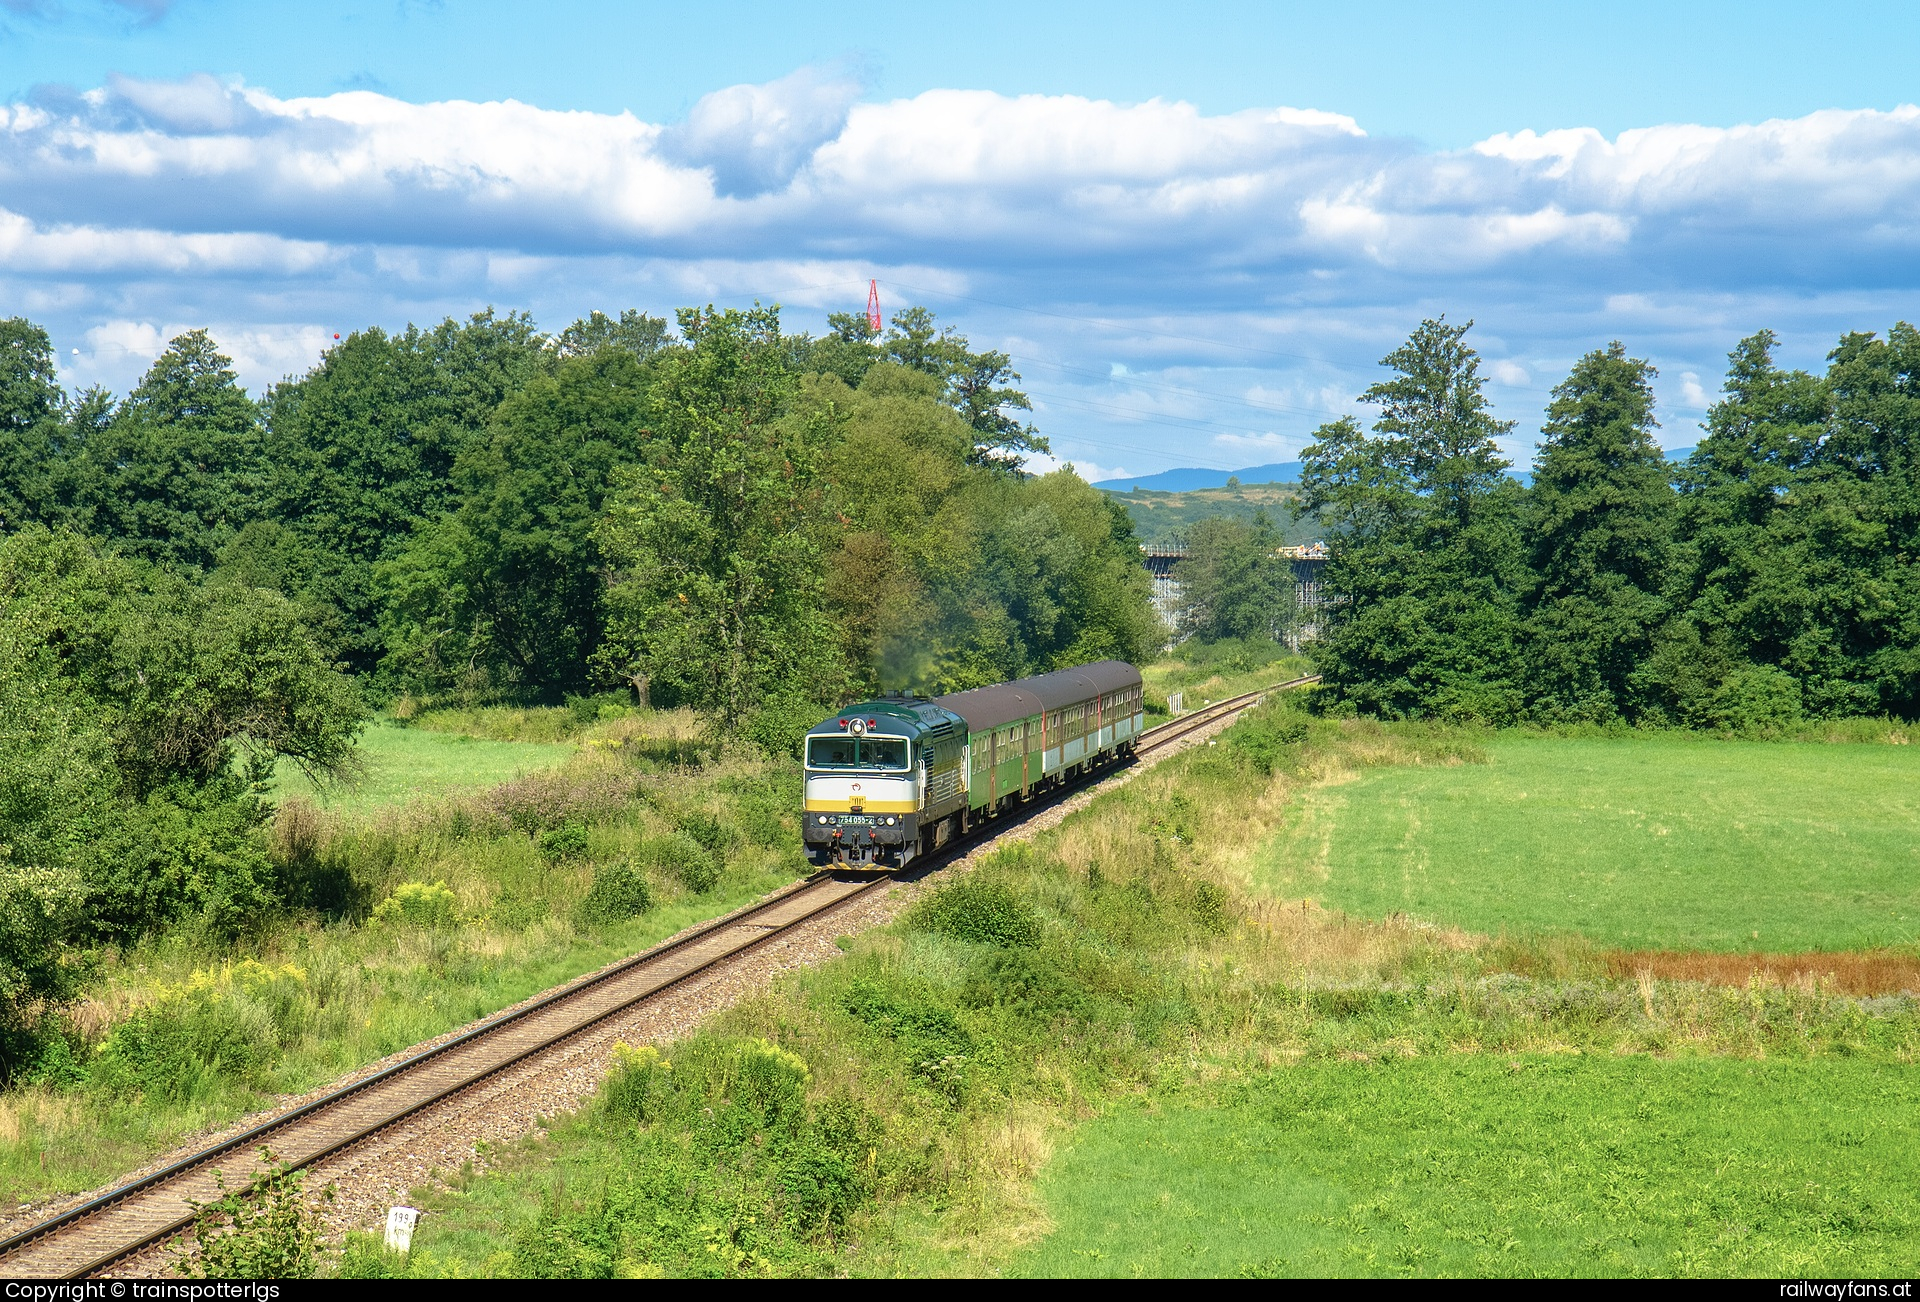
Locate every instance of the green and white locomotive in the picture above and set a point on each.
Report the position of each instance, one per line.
(900, 776)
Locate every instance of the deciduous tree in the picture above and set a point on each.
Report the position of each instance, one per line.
(716, 574)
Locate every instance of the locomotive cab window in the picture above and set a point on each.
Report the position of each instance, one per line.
(883, 753)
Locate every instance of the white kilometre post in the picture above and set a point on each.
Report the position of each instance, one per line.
(400, 1223)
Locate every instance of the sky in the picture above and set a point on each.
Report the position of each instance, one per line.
(1195, 228)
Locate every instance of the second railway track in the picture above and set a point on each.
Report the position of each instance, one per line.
(93, 1235)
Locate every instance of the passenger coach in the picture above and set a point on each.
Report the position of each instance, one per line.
(896, 777)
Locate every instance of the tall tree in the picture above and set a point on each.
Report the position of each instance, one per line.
(181, 468)
(1427, 567)
(510, 579)
(847, 350)
(1737, 581)
(1860, 507)
(632, 332)
(364, 446)
(147, 690)
(1600, 530)
(31, 406)
(1234, 582)
(714, 545)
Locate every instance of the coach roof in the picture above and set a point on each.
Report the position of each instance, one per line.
(991, 707)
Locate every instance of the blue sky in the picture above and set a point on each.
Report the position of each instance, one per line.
(1196, 227)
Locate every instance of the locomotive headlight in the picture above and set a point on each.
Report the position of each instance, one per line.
(823, 820)
(889, 820)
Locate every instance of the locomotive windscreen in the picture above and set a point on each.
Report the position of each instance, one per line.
(888, 753)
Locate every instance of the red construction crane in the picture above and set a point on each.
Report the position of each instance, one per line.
(873, 306)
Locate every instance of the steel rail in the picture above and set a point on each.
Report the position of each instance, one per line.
(18, 1250)
(1155, 738)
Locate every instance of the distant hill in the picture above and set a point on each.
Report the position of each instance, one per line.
(1162, 516)
(1188, 478)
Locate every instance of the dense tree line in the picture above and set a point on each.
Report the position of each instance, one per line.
(196, 585)
(480, 506)
(1773, 576)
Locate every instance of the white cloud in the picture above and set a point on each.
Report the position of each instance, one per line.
(1282, 447)
(1041, 464)
(26, 246)
(1272, 254)
(261, 354)
(128, 339)
(754, 138)
(795, 167)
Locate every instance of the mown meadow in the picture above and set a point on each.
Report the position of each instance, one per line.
(1668, 840)
(1109, 1051)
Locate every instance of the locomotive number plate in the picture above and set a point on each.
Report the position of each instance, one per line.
(857, 820)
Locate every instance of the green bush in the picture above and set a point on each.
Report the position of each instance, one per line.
(568, 841)
(587, 710)
(185, 853)
(619, 892)
(722, 1166)
(1230, 655)
(1020, 979)
(366, 1256)
(680, 856)
(417, 904)
(637, 1089)
(777, 725)
(771, 1082)
(1756, 698)
(984, 912)
(1267, 738)
(763, 808)
(58, 1065)
(937, 1046)
(1212, 908)
(707, 831)
(264, 1231)
(219, 1027)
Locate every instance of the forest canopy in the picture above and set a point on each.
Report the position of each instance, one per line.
(1773, 576)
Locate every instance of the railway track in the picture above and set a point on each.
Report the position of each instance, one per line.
(93, 1235)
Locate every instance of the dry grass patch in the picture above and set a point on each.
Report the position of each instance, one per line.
(1864, 973)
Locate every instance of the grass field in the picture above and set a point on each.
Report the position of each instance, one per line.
(1485, 1165)
(1642, 842)
(401, 764)
(1161, 517)
(344, 997)
(1207, 674)
(1094, 1054)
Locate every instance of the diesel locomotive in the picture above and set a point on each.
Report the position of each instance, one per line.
(899, 776)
